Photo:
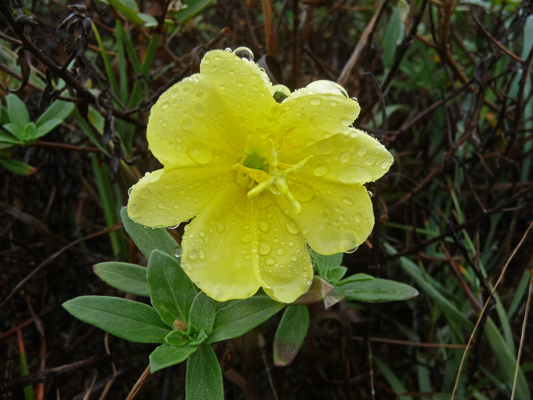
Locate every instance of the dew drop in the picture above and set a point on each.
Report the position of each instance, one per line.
(352, 250)
(315, 101)
(199, 153)
(145, 193)
(321, 170)
(354, 174)
(280, 251)
(292, 227)
(302, 192)
(177, 251)
(164, 105)
(358, 217)
(201, 255)
(161, 205)
(264, 247)
(263, 225)
(385, 165)
(270, 261)
(345, 157)
(325, 146)
(192, 254)
(362, 150)
(187, 123)
(346, 122)
(247, 237)
(347, 201)
(294, 258)
(129, 191)
(179, 139)
(220, 227)
(333, 103)
(244, 52)
(305, 231)
(199, 109)
(369, 160)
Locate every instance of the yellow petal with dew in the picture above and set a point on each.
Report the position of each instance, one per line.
(244, 87)
(310, 116)
(218, 247)
(284, 263)
(168, 197)
(191, 124)
(349, 157)
(335, 217)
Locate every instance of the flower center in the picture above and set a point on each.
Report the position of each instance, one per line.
(260, 173)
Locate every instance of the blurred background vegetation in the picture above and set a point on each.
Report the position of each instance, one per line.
(445, 85)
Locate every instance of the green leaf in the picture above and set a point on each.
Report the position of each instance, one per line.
(127, 319)
(30, 132)
(16, 131)
(58, 110)
(355, 278)
(204, 377)
(149, 21)
(166, 356)
(129, 278)
(202, 313)
(17, 167)
(150, 53)
(191, 8)
(290, 334)
(324, 263)
(392, 37)
(237, 317)
(393, 380)
(335, 274)
(8, 139)
(46, 127)
(378, 290)
(506, 360)
(171, 290)
(148, 239)
(17, 111)
(177, 338)
(128, 8)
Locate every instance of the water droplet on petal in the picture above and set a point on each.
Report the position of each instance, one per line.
(346, 121)
(164, 105)
(247, 237)
(187, 123)
(325, 146)
(280, 251)
(177, 251)
(315, 101)
(145, 193)
(220, 227)
(264, 247)
(362, 150)
(244, 52)
(353, 250)
(270, 261)
(345, 157)
(302, 192)
(347, 201)
(192, 254)
(358, 217)
(199, 109)
(161, 205)
(321, 170)
(354, 174)
(292, 227)
(263, 225)
(385, 164)
(199, 153)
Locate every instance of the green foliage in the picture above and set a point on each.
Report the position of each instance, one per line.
(290, 334)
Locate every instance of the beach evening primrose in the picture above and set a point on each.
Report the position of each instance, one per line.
(262, 173)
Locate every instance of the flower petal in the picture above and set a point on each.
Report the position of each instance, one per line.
(349, 157)
(218, 247)
(191, 124)
(309, 117)
(335, 217)
(168, 197)
(284, 263)
(243, 85)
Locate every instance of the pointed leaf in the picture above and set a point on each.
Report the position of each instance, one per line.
(17, 111)
(335, 274)
(317, 291)
(204, 377)
(202, 313)
(46, 127)
(17, 167)
(59, 110)
(30, 132)
(355, 278)
(239, 316)
(171, 290)
(129, 278)
(324, 263)
(290, 334)
(8, 139)
(378, 290)
(16, 131)
(130, 320)
(166, 356)
(148, 239)
(336, 296)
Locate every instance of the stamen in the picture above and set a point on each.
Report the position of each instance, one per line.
(280, 140)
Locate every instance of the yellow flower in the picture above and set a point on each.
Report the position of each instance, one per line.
(261, 178)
